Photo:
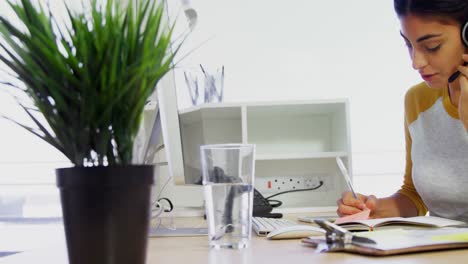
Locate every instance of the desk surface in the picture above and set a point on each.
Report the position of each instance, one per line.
(172, 250)
(195, 249)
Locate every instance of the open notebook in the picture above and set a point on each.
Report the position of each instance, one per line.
(400, 222)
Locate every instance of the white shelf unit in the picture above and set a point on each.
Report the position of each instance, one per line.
(293, 139)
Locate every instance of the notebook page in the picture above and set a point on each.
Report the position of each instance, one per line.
(354, 217)
(418, 220)
(433, 221)
(374, 222)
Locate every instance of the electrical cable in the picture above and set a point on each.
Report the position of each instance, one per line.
(157, 208)
(298, 190)
(275, 203)
(165, 209)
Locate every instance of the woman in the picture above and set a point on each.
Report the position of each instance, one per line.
(436, 116)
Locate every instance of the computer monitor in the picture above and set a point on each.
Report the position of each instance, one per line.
(161, 128)
(170, 127)
(161, 119)
(168, 115)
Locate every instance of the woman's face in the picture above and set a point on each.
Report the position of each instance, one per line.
(435, 47)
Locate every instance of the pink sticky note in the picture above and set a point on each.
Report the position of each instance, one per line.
(358, 216)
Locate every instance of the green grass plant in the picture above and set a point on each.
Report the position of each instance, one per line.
(89, 77)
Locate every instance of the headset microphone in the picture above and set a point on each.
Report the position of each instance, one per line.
(464, 36)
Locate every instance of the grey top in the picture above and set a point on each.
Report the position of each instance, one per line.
(440, 162)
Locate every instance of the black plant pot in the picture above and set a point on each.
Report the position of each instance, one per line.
(106, 213)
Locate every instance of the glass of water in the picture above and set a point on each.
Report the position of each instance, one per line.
(228, 180)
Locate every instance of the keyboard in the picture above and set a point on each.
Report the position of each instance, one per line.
(262, 225)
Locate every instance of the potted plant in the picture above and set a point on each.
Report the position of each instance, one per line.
(89, 79)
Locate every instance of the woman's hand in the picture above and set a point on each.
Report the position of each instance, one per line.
(349, 205)
(463, 103)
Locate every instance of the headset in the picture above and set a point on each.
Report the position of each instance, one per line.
(464, 36)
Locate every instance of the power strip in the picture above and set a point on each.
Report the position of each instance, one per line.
(288, 183)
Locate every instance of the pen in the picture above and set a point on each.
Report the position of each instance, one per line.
(344, 172)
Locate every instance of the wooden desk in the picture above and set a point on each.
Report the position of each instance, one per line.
(194, 250)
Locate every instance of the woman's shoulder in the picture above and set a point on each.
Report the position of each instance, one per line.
(423, 95)
(419, 98)
(423, 91)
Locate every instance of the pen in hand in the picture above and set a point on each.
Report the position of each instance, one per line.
(344, 172)
(365, 211)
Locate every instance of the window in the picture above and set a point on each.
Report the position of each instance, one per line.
(27, 163)
(26, 169)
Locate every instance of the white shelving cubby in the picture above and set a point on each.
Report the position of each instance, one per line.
(294, 141)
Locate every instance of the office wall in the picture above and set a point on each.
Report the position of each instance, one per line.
(307, 50)
(274, 50)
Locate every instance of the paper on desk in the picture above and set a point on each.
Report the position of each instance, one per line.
(458, 237)
(401, 238)
(358, 216)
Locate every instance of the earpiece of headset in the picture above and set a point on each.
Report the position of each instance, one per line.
(464, 36)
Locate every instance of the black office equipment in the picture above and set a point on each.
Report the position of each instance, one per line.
(262, 207)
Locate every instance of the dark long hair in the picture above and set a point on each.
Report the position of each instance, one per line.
(452, 9)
